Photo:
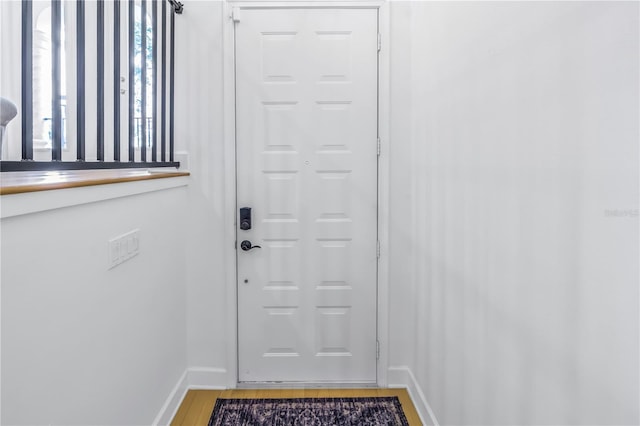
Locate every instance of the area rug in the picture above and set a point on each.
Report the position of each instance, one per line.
(378, 411)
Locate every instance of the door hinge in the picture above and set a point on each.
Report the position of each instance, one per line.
(378, 249)
(377, 349)
(235, 15)
(379, 42)
(379, 147)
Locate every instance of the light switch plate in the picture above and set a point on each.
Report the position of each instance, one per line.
(123, 247)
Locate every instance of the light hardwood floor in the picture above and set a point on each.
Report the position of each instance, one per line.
(197, 405)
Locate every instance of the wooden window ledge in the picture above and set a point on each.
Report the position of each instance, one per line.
(22, 182)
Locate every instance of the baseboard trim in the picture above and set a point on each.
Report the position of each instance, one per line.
(207, 378)
(402, 377)
(170, 407)
(216, 378)
(192, 378)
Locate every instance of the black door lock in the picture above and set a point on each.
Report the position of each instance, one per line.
(245, 218)
(246, 245)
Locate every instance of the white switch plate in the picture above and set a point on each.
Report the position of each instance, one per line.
(123, 247)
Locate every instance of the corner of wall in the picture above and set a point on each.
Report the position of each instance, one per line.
(170, 407)
(192, 378)
(207, 378)
(402, 377)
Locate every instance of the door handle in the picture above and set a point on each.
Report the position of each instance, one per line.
(246, 245)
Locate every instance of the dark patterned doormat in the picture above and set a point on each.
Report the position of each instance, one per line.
(378, 411)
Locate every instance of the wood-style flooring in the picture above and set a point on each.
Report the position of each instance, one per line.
(197, 405)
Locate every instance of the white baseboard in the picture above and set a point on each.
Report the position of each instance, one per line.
(207, 378)
(192, 378)
(172, 403)
(402, 377)
(216, 378)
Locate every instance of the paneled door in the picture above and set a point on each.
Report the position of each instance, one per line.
(306, 110)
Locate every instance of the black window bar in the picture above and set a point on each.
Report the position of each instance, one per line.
(116, 80)
(143, 129)
(100, 97)
(80, 66)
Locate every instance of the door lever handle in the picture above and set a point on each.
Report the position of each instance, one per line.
(246, 245)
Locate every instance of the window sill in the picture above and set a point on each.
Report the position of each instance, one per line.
(30, 192)
(20, 182)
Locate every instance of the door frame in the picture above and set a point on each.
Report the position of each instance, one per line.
(230, 214)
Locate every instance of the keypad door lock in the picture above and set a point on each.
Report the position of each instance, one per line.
(245, 218)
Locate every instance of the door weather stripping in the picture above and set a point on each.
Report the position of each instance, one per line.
(379, 42)
(377, 349)
(379, 147)
(378, 249)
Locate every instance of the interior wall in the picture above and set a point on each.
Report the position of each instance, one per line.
(199, 132)
(81, 343)
(402, 219)
(524, 119)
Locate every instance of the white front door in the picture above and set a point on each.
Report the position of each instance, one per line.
(306, 100)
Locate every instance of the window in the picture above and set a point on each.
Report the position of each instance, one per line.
(147, 76)
(42, 87)
(97, 84)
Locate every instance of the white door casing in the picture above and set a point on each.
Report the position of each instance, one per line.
(306, 137)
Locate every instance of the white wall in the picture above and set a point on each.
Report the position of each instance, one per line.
(402, 236)
(199, 127)
(82, 344)
(524, 140)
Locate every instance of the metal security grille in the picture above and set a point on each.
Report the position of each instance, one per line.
(154, 40)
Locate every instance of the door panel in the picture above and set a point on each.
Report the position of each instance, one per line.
(306, 99)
